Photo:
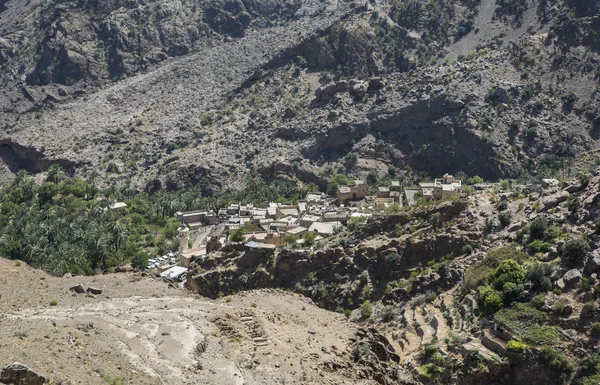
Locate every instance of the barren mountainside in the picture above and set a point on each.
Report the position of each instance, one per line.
(188, 93)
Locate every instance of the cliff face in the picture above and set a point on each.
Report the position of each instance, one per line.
(200, 92)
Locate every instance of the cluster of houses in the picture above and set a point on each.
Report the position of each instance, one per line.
(319, 215)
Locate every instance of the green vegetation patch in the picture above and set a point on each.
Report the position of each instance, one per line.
(478, 273)
(519, 318)
(541, 335)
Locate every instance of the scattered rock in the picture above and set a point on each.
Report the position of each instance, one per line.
(68, 275)
(20, 374)
(593, 263)
(94, 290)
(78, 289)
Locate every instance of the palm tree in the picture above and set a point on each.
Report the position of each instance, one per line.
(118, 233)
(55, 174)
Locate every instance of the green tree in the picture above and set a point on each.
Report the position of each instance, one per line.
(118, 233)
(335, 181)
(475, 180)
(309, 238)
(575, 251)
(55, 174)
(289, 239)
(238, 235)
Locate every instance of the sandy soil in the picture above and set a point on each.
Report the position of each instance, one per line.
(141, 331)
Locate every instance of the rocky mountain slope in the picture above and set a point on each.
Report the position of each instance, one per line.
(197, 93)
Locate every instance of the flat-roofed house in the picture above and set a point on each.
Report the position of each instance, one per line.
(441, 188)
(354, 192)
(308, 219)
(325, 229)
(383, 192)
(297, 231)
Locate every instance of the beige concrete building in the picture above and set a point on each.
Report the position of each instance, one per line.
(441, 188)
(354, 192)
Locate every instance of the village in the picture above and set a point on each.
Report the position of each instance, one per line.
(302, 224)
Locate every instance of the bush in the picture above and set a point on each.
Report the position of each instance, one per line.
(512, 292)
(466, 249)
(575, 251)
(477, 274)
(536, 273)
(505, 217)
(489, 299)
(429, 349)
(515, 346)
(366, 309)
(538, 246)
(574, 205)
(595, 329)
(508, 271)
(422, 299)
(556, 361)
(387, 313)
(538, 228)
(538, 301)
(590, 365)
(475, 180)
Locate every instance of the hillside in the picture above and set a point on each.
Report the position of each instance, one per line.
(496, 287)
(197, 94)
(140, 330)
(499, 287)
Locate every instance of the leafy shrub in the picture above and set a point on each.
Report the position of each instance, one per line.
(477, 274)
(489, 299)
(559, 306)
(515, 346)
(575, 251)
(512, 292)
(537, 272)
(505, 217)
(538, 246)
(366, 309)
(508, 271)
(590, 365)
(557, 362)
(595, 329)
(466, 249)
(574, 205)
(429, 349)
(422, 299)
(538, 228)
(538, 301)
(387, 313)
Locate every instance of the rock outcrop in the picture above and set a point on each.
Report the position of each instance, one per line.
(20, 374)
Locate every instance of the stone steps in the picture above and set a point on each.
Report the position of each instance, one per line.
(254, 330)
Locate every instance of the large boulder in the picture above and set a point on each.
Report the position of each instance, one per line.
(593, 263)
(20, 374)
(572, 278)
